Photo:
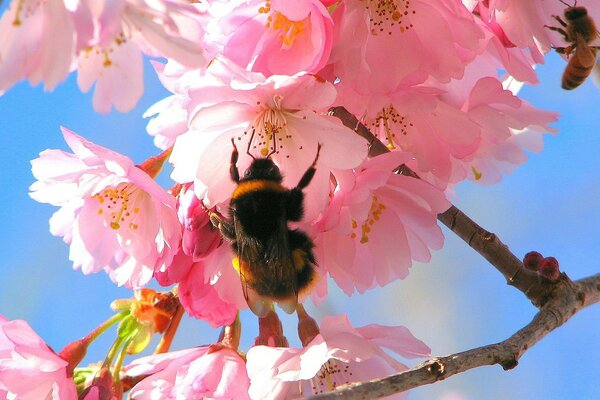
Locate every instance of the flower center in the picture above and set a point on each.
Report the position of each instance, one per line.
(374, 216)
(388, 122)
(389, 16)
(116, 205)
(288, 30)
(332, 374)
(268, 130)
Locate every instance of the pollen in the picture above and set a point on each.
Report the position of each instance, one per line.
(115, 204)
(389, 16)
(476, 173)
(332, 374)
(374, 215)
(288, 30)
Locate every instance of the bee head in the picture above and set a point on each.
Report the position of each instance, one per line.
(573, 13)
(263, 168)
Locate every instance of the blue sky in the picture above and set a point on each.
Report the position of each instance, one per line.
(454, 303)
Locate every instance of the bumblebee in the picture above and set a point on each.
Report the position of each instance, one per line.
(580, 31)
(275, 263)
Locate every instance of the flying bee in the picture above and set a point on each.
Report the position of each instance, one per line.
(580, 31)
(275, 263)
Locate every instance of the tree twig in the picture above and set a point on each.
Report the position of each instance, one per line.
(485, 243)
(567, 298)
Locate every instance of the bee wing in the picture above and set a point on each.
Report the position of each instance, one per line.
(585, 53)
(281, 254)
(259, 305)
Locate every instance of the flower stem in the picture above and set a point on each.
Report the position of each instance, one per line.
(167, 339)
(93, 335)
(230, 335)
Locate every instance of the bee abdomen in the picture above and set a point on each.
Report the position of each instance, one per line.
(575, 74)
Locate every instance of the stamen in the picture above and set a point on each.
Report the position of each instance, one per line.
(115, 206)
(374, 216)
(389, 16)
(476, 173)
(387, 122)
(332, 374)
(269, 125)
(289, 30)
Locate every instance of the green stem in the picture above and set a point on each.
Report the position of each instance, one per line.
(93, 335)
(119, 362)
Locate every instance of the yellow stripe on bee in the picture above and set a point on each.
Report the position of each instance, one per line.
(299, 258)
(256, 185)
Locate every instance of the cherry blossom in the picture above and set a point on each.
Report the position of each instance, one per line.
(278, 37)
(340, 354)
(196, 373)
(29, 369)
(509, 125)
(426, 37)
(104, 40)
(417, 120)
(113, 214)
(521, 22)
(280, 117)
(199, 238)
(34, 46)
(377, 223)
(125, 29)
(197, 291)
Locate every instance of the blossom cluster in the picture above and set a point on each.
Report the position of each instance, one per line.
(435, 80)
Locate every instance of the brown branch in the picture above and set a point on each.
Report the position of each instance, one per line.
(567, 298)
(485, 243)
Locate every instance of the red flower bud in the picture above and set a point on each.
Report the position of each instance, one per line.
(549, 269)
(532, 260)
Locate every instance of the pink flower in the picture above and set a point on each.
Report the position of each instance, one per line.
(281, 115)
(197, 291)
(200, 238)
(190, 374)
(124, 29)
(170, 115)
(418, 121)
(517, 62)
(425, 37)
(114, 215)
(509, 125)
(522, 23)
(377, 223)
(340, 354)
(106, 39)
(29, 369)
(279, 37)
(38, 41)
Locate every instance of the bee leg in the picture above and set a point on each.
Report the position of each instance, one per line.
(559, 30)
(233, 170)
(288, 305)
(225, 227)
(310, 172)
(564, 50)
(295, 198)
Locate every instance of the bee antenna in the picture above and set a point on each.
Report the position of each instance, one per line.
(250, 143)
(568, 5)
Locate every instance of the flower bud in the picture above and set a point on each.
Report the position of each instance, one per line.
(101, 387)
(73, 353)
(199, 236)
(532, 260)
(549, 269)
